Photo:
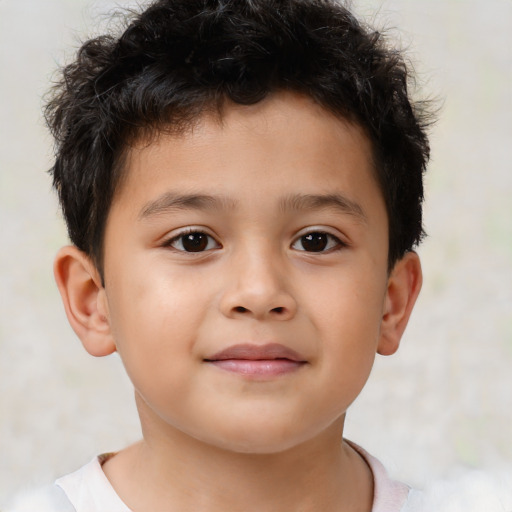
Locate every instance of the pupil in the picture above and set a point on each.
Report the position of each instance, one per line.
(314, 242)
(195, 242)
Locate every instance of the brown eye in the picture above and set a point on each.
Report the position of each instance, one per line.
(316, 241)
(195, 241)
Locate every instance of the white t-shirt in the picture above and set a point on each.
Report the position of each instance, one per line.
(88, 490)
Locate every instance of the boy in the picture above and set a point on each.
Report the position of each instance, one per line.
(242, 185)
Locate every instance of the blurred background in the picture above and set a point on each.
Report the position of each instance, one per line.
(441, 405)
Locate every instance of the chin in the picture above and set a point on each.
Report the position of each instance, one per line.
(262, 438)
(258, 446)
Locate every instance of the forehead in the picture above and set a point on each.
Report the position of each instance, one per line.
(287, 136)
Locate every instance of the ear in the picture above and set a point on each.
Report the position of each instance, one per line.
(84, 299)
(404, 285)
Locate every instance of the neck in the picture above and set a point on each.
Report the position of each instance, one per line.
(173, 471)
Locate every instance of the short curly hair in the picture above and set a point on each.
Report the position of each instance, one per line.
(179, 58)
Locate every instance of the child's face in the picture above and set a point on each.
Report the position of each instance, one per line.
(288, 260)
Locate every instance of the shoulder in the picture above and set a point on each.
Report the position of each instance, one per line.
(470, 491)
(45, 499)
(85, 490)
(388, 495)
(89, 489)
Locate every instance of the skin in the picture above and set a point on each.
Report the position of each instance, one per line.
(225, 440)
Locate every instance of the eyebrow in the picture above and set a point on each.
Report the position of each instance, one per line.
(169, 202)
(336, 202)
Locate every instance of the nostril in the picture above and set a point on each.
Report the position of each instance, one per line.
(278, 310)
(240, 309)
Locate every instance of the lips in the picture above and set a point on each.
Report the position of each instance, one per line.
(268, 360)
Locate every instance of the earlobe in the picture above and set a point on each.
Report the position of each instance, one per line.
(404, 285)
(84, 300)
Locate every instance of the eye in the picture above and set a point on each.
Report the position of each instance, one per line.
(317, 241)
(193, 241)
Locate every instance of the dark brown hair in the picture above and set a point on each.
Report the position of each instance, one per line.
(178, 58)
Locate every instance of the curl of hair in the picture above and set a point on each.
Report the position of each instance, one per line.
(180, 58)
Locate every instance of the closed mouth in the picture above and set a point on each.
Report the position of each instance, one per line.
(253, 352)
(258, 361)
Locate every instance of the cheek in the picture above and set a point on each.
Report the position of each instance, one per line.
(351, 303)
(153, 317)
(349, 316)
(149, 294)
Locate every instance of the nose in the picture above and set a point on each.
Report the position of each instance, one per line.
(256, 288)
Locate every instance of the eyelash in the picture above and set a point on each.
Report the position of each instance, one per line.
(332, 243)
(181, 236)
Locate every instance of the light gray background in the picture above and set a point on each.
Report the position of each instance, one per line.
(443, 403)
